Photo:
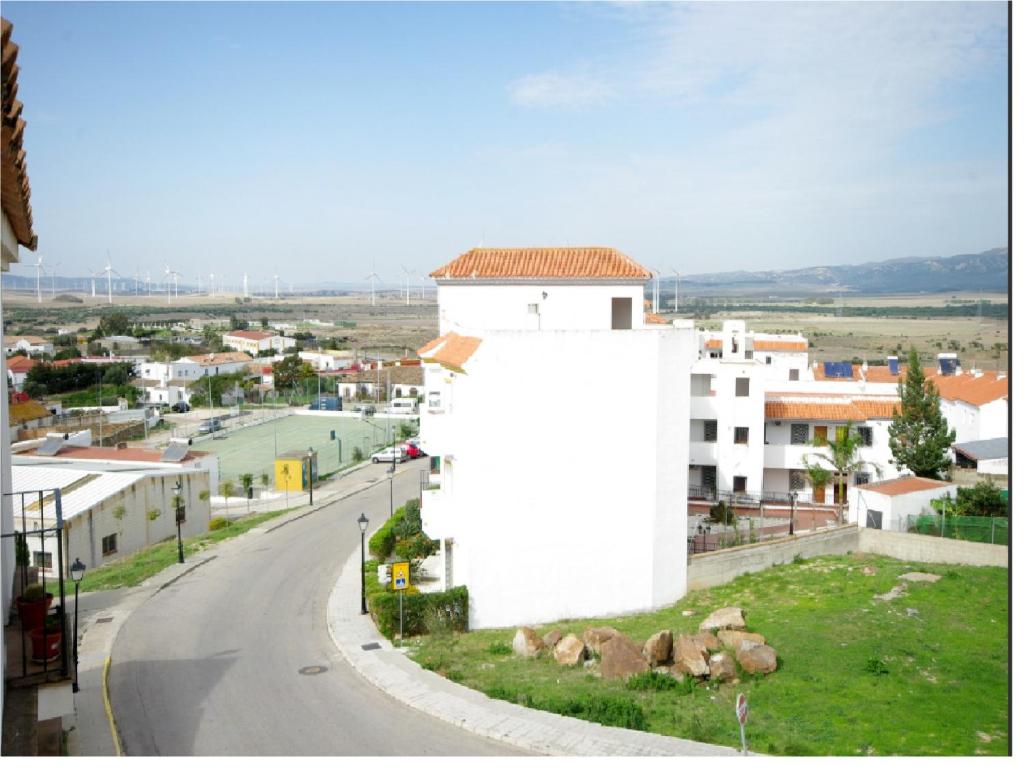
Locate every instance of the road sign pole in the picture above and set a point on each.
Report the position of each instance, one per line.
(400, 617)
(741, 715)
(743, 739)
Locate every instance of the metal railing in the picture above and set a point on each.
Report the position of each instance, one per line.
(38, 662)
(744, 499)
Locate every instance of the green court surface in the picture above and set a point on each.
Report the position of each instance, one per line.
(252, 449)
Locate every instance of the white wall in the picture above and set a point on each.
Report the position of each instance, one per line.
(504, 307)
(553, 529)
(895, 509)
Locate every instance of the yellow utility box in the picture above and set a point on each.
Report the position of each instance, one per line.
(292, 471)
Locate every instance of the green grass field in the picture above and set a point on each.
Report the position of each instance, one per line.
(252, 449)
(856, 676)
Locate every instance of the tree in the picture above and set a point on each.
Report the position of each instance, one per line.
(237, 323)
(246, 481)
(226, 489)
(841, 458)
(919, 436)
(291, 372)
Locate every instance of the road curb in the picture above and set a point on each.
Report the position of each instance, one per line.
(544, 732)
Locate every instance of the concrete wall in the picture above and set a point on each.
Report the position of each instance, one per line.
(713, 568)
(505, 307)
(932, 549)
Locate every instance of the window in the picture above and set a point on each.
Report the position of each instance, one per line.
(874, 519)
(710, 431)
(435, 465)
(794, 374)
(42, 560)
(716, 354)
(768, 359)
(622, 314)
(748, 354)
(739, 484)
(742, 387)
(741, 435)
(709, 478)
(533, 309)
(866, 436)
(861, 478)
(109, 544)
(735, 345)
(799, 433)
(797, 479)
(434, 402)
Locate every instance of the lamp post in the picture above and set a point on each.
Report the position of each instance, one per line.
(792, 509)
(179, 518)
(77, 572)
(309, 458)
(363, 522)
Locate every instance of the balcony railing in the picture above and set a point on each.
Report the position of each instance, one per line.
(37, 642)
(742, 499)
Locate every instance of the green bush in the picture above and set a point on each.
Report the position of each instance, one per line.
(216, 523)
(499, 649)
(652, 681)
(382, 543)
(421, 611)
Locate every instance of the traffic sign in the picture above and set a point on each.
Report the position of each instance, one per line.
(741, 709)
(400, 576)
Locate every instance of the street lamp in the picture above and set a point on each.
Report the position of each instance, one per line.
(179, 517)
(309, 458)
(792, 509)
(77, 572)
(363, 522)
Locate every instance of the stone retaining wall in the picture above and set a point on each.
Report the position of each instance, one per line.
(931, 549)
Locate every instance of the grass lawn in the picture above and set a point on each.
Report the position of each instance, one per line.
(135, 569)
(856, 676)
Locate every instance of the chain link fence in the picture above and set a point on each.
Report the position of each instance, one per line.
(987, 530)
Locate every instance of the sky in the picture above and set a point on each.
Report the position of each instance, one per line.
(321, 141)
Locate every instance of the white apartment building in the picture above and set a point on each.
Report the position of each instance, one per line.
(534, 518)
(255, 342)
(171, 383)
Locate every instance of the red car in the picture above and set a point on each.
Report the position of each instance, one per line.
(412, 450)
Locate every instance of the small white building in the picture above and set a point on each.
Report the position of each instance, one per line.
(107, 515)
(216, 363)
(889, 503)
(987, 457)
(255, 342)
(552, 529)
(328, 359)
(386, 382)
(27, 345)
(17, 370)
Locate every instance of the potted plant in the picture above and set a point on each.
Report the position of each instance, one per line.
(46, 639)
(33, 605)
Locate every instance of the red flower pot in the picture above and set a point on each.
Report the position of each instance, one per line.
(45, 647)
(33, 613)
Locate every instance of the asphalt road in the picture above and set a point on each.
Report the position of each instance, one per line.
(211, 664)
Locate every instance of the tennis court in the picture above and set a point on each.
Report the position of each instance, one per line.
(252, 449)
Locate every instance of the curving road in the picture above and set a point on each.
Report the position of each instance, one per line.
(211, 664)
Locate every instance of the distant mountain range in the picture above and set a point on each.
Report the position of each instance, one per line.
(987, 271)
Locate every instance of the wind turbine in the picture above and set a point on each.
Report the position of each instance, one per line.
(408, 273)
(245, 285)
(108, 270)
(93, 276)
(275, 287)
(149, 286)
(676, 273)
(657, 289)
(213, 286)
(373, 277)
(39, 272)
(136, 280)
(169, 274)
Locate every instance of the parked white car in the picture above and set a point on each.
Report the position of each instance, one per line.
(395, 454)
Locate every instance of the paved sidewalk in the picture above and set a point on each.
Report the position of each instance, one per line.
(103, 613)
(535, 730)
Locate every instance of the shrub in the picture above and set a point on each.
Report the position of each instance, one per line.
(382, 543)
(357, 454)
(448, 610)
(499, 649)
(722, 513)
(876, 667)
(652, 681)
(216, 523)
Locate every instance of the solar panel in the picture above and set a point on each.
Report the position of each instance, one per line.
(838, 370)
(50, 446)
(174, 452)
(947, 365)
(894, 366)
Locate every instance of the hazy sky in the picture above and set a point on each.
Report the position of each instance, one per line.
(309, 139)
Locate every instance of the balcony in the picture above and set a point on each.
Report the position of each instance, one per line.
(703, 407)
(704, 454)
(783, 456)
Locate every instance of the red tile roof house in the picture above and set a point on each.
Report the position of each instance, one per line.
(17, 370)
(255, 342)
(890, 504)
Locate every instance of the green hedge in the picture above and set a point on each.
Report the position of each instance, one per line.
(422, 611)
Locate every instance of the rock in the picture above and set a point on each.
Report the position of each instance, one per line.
(621, 658)
(708, 640)
(688, 613)
(551, 638)
(569, 651)
(527, 643)
(898, 591)
(931, 578)
(912, 612)
(757, 658)
(984, 737)
(722, 667)
(730, 638)
(595, 637)
(724, 618)
(658, 648)
(868, 571)
(589, 663)
(689, 657)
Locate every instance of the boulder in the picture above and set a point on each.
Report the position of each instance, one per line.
(757, 658)
(706, 640)
(868, 571)
(595, 637)
(658, 648)
(621, 658)
(569, 651)
(527, 643)
(931, 578)
(723, 668)
(551, 638)
(732, 639)
(724, 618)
(689, 657)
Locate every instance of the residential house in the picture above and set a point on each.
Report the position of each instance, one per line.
(17, 370)
(27, 345)
(889, 504)
(985, 457)
(561, 527)
(384, 382)
(257, 342)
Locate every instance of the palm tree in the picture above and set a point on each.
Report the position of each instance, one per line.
(246, 481)
(841, 457)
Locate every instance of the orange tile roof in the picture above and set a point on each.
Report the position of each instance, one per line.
(901, 485)
(713, 344)
(652, 319)
(218, 358)
(21, 364)
(16, 192)
(451, 350)
(976, 390)
(780, 345)
(251, 335)
(589, 263)
(841, 409)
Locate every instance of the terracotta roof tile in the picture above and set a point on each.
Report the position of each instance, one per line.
(16, 191)
(21, 364)
(976, 390)
(101, 453)
(713, 344)
(780, 345)
(652, 319)
(901, 485)
(450, 350)
(220, 358)
(818, 408)
(589, 263)
(251, 335)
